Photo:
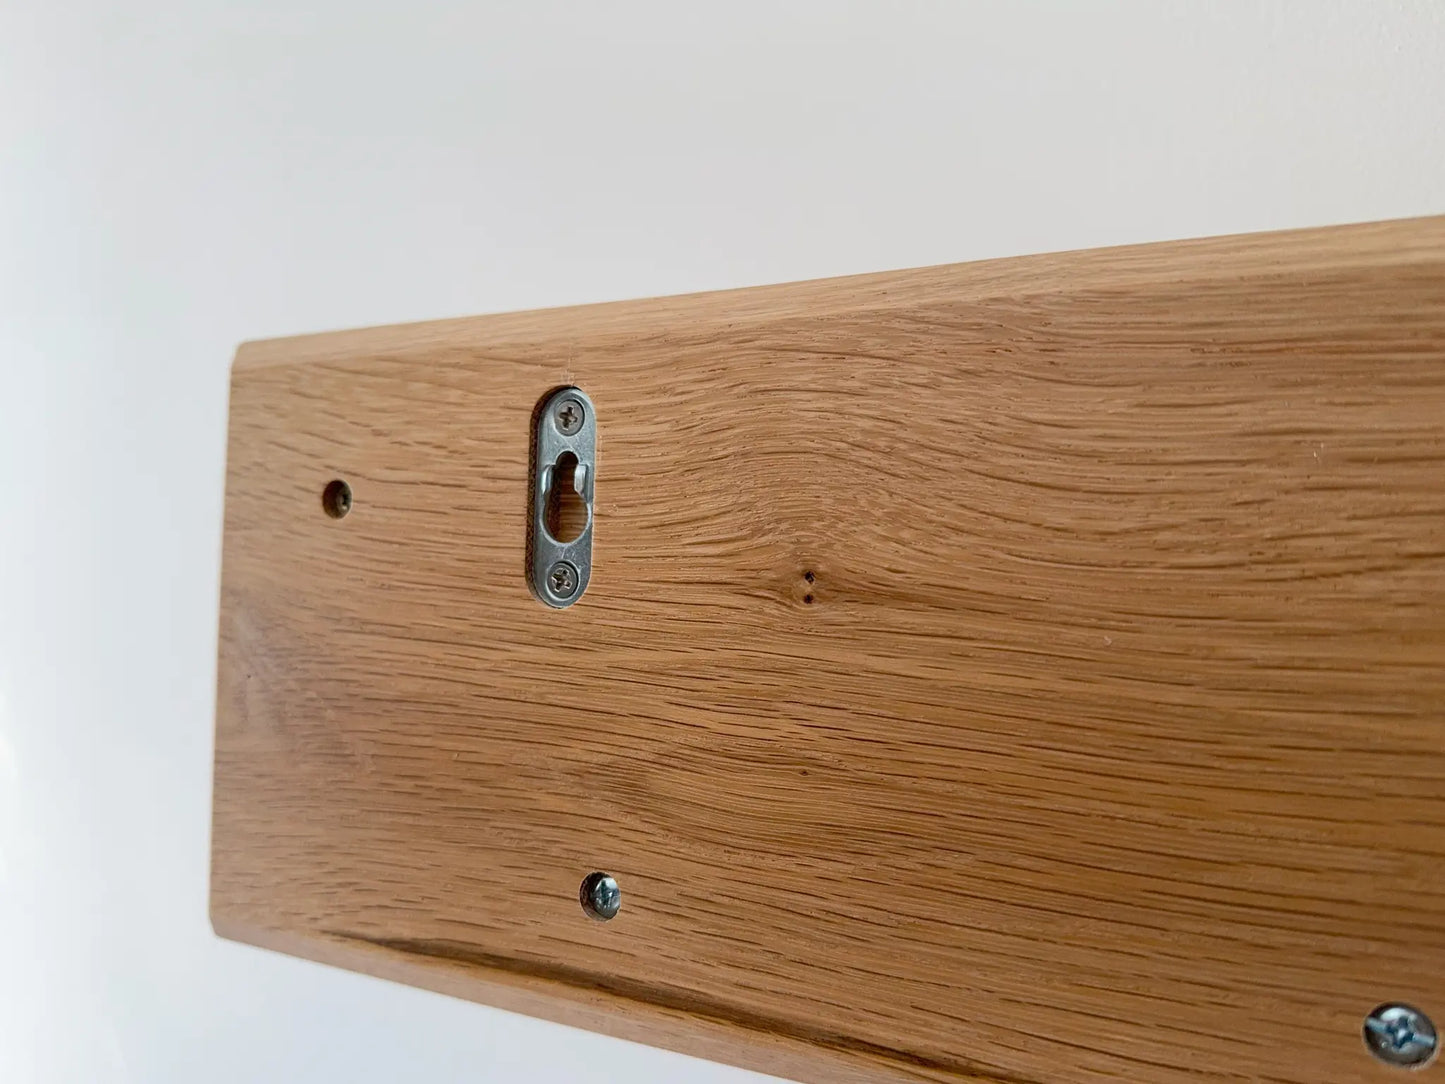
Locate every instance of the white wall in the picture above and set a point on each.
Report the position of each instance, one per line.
(176, 177)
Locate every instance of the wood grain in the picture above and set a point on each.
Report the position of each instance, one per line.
(1021, 671)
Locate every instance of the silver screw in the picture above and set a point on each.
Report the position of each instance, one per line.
(1399, 1034)
(562, 578)
(568, 414)
(600, 896)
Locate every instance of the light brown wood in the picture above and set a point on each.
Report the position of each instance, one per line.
(1022, 671)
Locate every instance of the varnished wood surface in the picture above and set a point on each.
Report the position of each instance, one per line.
(1021, 671)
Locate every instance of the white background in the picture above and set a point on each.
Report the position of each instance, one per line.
(176, 177)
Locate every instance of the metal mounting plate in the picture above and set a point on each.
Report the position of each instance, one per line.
(566, 425)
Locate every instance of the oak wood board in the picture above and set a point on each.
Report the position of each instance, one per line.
(1021, 671)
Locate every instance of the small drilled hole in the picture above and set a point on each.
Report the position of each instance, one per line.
(601, 897)
(808, 599)
(809, 576)
(336, 498)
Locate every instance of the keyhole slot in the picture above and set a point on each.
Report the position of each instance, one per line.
(566, 512)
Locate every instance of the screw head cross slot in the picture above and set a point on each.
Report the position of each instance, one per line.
(601, 897)
(562, 578)
(569, 415)
(1398, 1034)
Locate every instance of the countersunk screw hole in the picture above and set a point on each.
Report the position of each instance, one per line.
(600, 895)
(336, 498)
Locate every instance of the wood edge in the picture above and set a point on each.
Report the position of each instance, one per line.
(1392, 241)
(594, 1010)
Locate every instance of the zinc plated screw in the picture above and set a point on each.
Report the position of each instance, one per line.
(562, 578)
(1399, 1034)
(601, 897)
(569, 415)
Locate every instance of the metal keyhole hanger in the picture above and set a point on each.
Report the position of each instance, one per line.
(564, 450)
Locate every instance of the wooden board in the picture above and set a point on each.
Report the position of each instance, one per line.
(1031, 670)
